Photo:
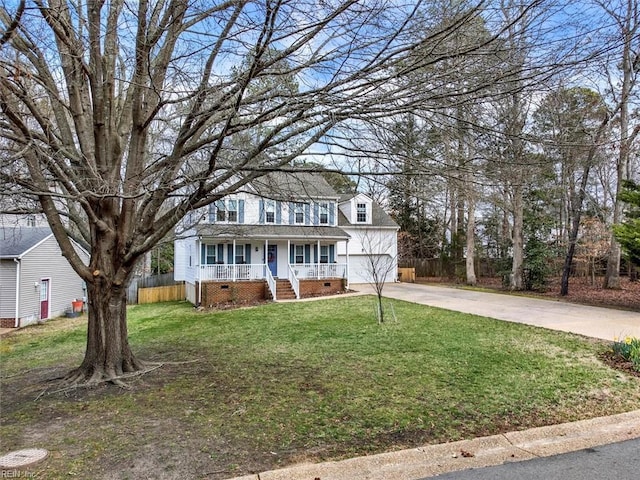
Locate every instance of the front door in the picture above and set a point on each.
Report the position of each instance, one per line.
(44, 298)
(272, 259)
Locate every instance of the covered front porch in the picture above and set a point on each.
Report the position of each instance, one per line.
(303, 264)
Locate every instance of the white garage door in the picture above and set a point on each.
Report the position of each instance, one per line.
(360, 268)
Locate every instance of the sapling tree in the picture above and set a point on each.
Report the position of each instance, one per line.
(380, 263)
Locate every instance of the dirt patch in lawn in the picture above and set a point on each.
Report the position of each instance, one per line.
(196, 417)
(169, 432)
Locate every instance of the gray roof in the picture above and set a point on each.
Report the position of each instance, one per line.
(272, 231)
(16, 241)
(379, 218)
(293, 186)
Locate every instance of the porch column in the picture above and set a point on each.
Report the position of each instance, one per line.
(288, 256)
(346, 268)
(198, 268)
(318, 260)
(265, 257)
(234, 260)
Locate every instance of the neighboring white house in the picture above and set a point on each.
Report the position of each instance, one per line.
(36, 281)
(286, 231)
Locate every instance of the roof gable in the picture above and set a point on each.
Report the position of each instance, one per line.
(17, 241)
(379, 218)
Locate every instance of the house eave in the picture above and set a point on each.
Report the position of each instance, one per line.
(271, 232)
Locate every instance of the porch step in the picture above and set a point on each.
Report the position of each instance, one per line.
(284, 291)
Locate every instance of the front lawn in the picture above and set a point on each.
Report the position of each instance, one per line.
(253, 389)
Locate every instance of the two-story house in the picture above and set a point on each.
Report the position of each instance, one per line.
(286, 235)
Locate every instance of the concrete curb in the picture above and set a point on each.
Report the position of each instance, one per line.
(433, 460)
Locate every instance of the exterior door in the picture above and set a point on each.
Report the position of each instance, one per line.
(44, 298)
(272, 259)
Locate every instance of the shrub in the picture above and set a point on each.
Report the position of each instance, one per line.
(629, 349)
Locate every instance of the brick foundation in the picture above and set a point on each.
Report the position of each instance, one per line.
(214, 293)
(318, 288)
(7, 322)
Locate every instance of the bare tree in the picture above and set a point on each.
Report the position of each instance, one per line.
(621, 61)
(381, 263)
(572, 123)
(122, 117)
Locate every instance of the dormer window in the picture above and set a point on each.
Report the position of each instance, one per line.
(361, 213)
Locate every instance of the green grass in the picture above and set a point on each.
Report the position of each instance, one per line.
(282, 382)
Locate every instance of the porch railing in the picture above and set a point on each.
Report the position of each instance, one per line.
(260, 271)
(295, 283)
(318, 271)
(232, 273)
(271, 282)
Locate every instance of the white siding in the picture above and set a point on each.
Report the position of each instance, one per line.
(180, 259)
(190, 291)
(381, 243)
(251, 209)
(361, 266)
(370, 240)
(350, 210)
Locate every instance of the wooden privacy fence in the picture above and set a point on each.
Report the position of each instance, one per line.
(407, 275)
(145, 283)
(161, 294)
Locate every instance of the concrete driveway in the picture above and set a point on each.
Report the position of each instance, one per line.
(595, 322)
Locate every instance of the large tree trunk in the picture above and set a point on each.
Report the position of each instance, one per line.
(471, 241)
(612, 277)
(108, 355)
(629, 30)
(518, 240)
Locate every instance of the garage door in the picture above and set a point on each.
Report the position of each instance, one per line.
(360, 267)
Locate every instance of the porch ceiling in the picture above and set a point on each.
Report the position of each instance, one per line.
(271, 232)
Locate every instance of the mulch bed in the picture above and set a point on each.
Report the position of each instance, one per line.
(619, 363)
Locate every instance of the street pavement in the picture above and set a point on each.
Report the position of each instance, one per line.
(605, 448)
(616, 461)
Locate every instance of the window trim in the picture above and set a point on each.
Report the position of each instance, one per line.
(324, 256)
(323, 216)
(240, 254)
(269, 211)
(207, 255)
(361, 212)
(232, 210)
(296, 255)
(298, 213)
